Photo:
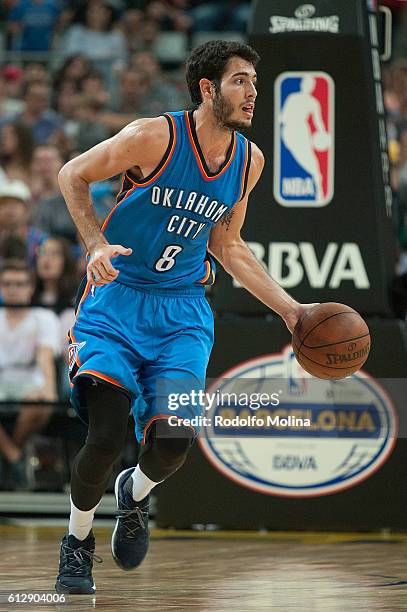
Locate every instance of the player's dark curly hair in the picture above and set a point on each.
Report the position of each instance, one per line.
(208, 61)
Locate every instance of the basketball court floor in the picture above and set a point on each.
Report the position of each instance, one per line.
(216, 571)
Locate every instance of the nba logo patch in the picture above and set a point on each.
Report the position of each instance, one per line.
(304, 140)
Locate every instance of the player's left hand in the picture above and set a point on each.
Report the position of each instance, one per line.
(291, 318)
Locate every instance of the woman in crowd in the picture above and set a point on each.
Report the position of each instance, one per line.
(95, 37)
(74, 69)
(16, 151)
(57, 278)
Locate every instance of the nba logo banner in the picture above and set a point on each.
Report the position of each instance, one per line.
(304, 139)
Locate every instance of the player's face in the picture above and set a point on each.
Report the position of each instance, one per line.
(233, 105)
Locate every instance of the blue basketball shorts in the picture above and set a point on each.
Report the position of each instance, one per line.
(153, 344)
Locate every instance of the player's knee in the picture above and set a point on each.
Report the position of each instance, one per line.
(105, 449)
(173, 449)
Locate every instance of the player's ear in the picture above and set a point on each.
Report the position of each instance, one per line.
(206, 88)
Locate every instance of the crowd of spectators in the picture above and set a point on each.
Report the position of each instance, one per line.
(80, 71)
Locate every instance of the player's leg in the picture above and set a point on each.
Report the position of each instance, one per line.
(100, 350)
(108, 411)
(160, 457)
(183, 341)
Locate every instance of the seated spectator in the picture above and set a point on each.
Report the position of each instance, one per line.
(141, 31)
(57, 278)
(165, 90)
(32, 22)
(43, 121)
(230, 15)
(50, 212)
(35, 71)
(13, 77)
(131, 25)
(16, 151)
(143, 95)
(8, 105)
(11, 102)
(95, 37)
(30, 343)
(15, 218)
(91, 129)
(12, 247)
(92, 85)
(65, 101)
(132, 93)
(169, 14)
(148, 35)
(74, 69)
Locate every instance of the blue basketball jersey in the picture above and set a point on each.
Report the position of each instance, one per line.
(166, 218)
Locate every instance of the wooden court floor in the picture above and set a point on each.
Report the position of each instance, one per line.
(214, 571)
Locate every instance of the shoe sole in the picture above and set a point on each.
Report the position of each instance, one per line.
(61, 588)
(116, 493)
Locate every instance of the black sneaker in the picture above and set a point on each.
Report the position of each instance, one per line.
(75, 565)
(130, 537)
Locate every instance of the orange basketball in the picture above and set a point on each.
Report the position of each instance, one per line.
(331, 341)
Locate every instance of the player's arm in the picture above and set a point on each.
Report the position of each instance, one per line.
(231, 251)
(141, 143)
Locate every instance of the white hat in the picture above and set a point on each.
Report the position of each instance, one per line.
(15, 189)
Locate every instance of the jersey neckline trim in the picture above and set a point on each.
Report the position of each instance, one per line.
(200, 158)
(246, 169)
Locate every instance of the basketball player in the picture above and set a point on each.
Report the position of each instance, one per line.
(142, 317)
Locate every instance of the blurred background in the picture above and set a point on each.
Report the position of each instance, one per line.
(73, 73)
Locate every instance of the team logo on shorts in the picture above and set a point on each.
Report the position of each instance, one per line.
(322, 437)
(304, 139)
(73, 351)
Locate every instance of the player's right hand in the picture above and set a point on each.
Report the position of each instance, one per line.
(100, 270)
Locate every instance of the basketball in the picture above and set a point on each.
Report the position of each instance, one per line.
(331, 340)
